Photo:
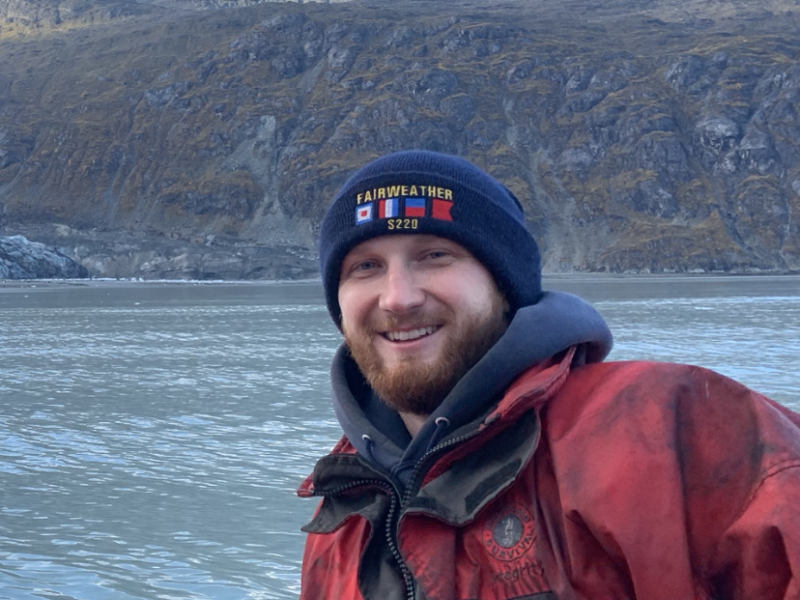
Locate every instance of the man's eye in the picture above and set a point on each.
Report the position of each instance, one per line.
(366, 265)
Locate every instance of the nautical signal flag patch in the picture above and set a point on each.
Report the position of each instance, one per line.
(377, 204)
(415, 207)
(388, 208)
(364, 213)
(440, 209)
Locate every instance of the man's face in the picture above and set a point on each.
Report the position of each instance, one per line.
(418, 311)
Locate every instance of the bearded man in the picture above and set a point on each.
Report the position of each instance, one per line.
(488, 450)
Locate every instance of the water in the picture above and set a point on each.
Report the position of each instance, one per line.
(152, 435)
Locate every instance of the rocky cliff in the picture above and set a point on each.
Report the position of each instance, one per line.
(21, 259)
(641, 136)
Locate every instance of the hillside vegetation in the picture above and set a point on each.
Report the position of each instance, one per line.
(160, 140)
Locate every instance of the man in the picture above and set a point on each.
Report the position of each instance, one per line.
(488, 452)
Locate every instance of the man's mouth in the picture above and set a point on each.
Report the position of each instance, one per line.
(411, 334)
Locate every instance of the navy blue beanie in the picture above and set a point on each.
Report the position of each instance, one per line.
(421, 192)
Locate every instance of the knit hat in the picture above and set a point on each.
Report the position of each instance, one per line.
(421, 192)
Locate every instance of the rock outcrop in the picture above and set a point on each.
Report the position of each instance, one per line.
(641, 137)
(21, 259)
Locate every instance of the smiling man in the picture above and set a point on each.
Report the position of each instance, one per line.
(488, 450)
(418, 311)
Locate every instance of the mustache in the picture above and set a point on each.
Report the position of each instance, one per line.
(393, 322)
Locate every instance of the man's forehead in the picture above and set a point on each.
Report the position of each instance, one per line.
(402, 241)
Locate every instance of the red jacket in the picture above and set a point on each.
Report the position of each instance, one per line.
(609, 481)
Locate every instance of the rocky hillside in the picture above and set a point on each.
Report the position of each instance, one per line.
(20, 17)
(161, 141)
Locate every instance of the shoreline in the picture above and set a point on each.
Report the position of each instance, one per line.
(54, 284)
(11, 284)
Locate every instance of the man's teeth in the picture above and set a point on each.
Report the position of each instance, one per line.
(402, 336)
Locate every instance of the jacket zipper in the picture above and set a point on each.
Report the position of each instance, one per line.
(393, 519)
(454, 442)
(392, 529)
(415, 474)
(349, 486)
(391, 540)
(405, 572)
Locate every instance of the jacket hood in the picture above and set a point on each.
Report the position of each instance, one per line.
(537, 332)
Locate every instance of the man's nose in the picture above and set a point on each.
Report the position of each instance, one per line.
(401, 292)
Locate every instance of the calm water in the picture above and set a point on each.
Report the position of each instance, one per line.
(152, 435)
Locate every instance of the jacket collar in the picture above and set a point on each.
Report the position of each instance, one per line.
(461, 481)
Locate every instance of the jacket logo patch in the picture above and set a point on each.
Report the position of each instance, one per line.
(510, 534)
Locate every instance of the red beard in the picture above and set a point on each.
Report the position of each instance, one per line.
(418, 387)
